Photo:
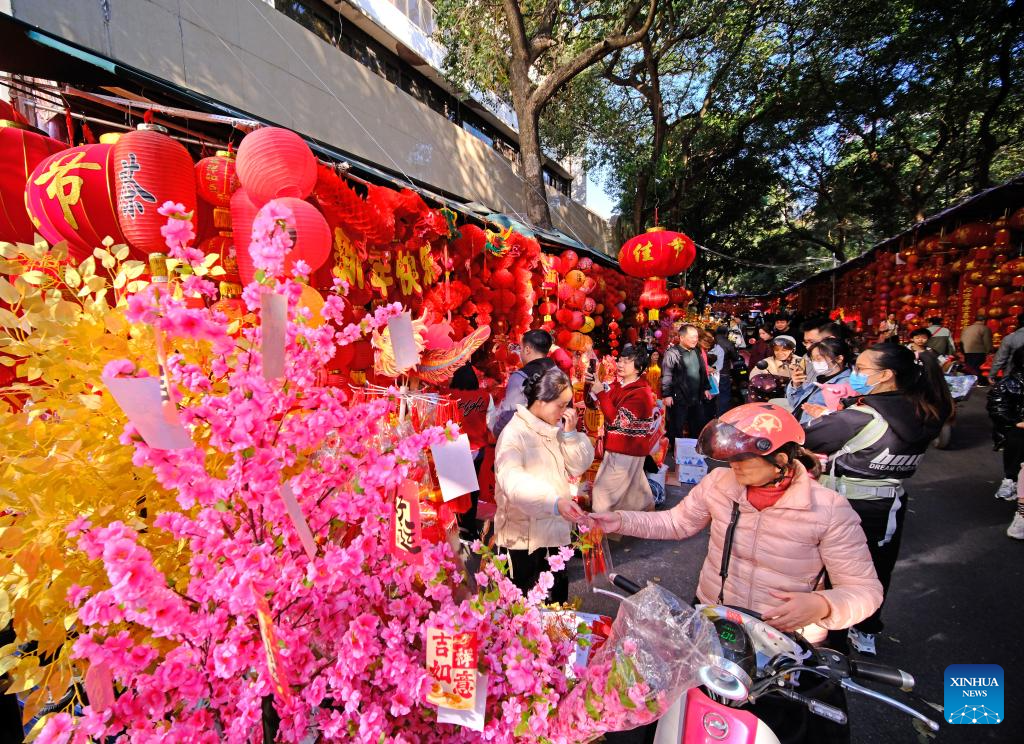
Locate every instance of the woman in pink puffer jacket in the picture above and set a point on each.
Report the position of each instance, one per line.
(787, 530)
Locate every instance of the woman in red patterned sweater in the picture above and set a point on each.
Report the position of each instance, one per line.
(630, 426)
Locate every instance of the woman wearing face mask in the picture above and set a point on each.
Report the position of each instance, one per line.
(775, 529)
(819, 392)
(874, 444)
(628, 407)
(536, 453)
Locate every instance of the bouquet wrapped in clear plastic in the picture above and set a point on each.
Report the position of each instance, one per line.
(654, 653)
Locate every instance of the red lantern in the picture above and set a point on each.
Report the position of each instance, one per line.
(243, 214)
(1016, 220)
(569, 261)
(70, 196)
(654, 296)
(972, 234)
(22, 148)
(216, 180)
(224, 246)
(309, 230)
(657, 252)
(150, 169)
(275, 162)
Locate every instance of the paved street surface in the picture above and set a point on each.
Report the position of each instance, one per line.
(956, 595)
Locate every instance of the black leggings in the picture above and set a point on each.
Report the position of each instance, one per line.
(1013, 452)
(527, 568)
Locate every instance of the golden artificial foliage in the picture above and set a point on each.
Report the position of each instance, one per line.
(60, 324)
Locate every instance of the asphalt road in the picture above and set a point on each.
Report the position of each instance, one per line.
(956, 594)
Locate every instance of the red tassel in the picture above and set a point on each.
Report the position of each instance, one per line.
(87, 134)
(70, 123)
(148, 116)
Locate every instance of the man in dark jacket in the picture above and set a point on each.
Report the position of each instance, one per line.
(730, 357)
(685, 386)
(534, 353)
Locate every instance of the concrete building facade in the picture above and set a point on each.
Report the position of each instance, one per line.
(255, 55)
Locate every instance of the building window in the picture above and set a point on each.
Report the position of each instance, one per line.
(329, 25)
(555, 181)
(315, 17)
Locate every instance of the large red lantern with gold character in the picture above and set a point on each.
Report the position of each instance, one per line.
(70, 196)
(22, 148)
(150, 169)
(656, 254)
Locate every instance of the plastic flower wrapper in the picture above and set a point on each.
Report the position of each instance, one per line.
(653, 655)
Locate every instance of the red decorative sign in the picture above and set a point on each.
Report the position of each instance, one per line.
(406, 528)
(272, 650)
(451, 661)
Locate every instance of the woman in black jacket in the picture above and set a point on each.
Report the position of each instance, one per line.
(1006, 409)
(875, 443)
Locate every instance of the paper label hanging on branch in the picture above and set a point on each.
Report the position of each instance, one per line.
(299, 520)
(272, 650)
(273, 324)
(99, 686)
(141, 400)
(471, 718)
(406, 527)
(403, 341)
(452, 662)
(453, 463)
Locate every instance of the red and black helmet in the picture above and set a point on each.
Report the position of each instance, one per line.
(750, 430)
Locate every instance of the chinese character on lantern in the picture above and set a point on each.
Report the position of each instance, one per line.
(133, 195)
(64, 187)
(643, 252)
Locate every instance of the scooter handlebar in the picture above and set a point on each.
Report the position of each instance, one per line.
(885, 675)
(626, 585)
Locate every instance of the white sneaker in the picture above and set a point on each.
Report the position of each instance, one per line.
(862, 642)
(1007, 490)
(1016, 528)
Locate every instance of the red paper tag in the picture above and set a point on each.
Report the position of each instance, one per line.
(406, 530)
(272, 650)
(452, 662)
(99, 686)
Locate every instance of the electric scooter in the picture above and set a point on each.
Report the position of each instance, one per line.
(752, 661)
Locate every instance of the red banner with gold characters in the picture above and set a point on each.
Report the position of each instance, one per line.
(452, 661)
